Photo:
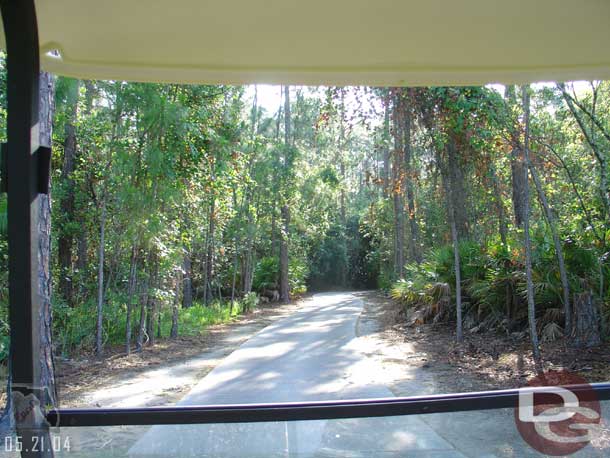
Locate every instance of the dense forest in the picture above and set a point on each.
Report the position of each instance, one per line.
(177, 206)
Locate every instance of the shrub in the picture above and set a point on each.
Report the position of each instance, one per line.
(266, 274)
(250, 301)
(74, 327)
(298, 272)
(493, 279)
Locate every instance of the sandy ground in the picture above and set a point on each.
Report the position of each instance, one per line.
(484, 361)
(423, 360)
(162, 374)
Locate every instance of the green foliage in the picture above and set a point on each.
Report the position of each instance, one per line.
(329, 176)
(330, 260)
(385, 279)
(298, 272)
(491, 272)
(441, 262)
(250, 301)
(194, 320)
(4, 333)
(75, 330)
(266, 274)
(194, 177)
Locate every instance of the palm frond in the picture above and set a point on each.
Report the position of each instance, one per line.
(551, 332)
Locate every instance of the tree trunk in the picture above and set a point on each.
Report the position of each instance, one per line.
(131, 292)
(341, 159)
(248, 258)
(176, 305)
(158, 315)
(65, 240)
(386, 146)
(204, 280)
(531, 305)
(274, 244)
(459, 335)
(518, 184)
(455, 240)
(100, 280)
(586, 330)
(410, 173)
(45, 317)
(457, 188)
(249, 273)
(151, 305)
(285, 211)
(144, 302)
(142, 320)
(558, 250)
(500, 212)
(342, 263)
(33, 433)
(399, 236)
(518, 174)
(397, 190)
(234, 279)
(113, 267)
(82, 250)
(247, 266)
(187, 280)
(209, 257)
(503, 230)
(284, 260)
(82, 261)
(246, 275)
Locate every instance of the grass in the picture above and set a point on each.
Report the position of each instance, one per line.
(74, 328)
(193, 321)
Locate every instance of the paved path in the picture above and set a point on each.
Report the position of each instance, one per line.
(310, 355)
(167, 383)
(327, 349)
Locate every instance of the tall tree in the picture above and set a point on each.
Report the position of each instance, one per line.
(100, 279)
(579, 111)
(65, 240)
(285, 211)
(398, 173)
(518, 175)
(455, 242)
(407, 113)
(45, 318)
(563, 274)
(531, 305)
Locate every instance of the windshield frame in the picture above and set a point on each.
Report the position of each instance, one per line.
(29, 173)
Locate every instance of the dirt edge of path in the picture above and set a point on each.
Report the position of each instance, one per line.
(78, 377)
(484, 361)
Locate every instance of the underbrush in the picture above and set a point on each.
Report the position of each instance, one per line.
(494, 285)
(267, 273)
(74, 327)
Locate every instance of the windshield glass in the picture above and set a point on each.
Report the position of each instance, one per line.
(259, 244)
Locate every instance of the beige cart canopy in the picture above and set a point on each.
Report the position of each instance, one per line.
(334, 42)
